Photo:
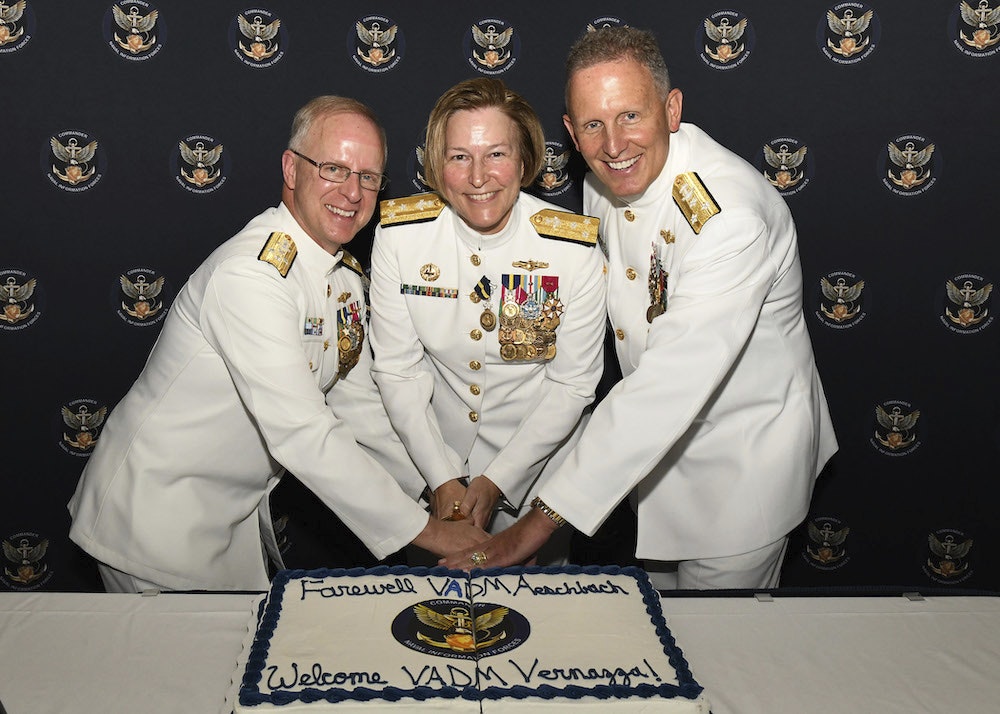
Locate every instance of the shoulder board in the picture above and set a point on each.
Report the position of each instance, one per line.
(279, 251)
(412, 209)
(349, 261)
(694, 200)
(564, 225)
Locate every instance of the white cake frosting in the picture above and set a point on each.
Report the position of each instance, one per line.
(518, 639)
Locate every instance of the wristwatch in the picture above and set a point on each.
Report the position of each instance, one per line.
(548, 511)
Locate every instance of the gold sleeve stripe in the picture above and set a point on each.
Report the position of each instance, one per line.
(694, 200)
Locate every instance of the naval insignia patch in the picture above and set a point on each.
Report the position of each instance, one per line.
(412, 209)
(563, 225)
(694, 200)
(279, 251)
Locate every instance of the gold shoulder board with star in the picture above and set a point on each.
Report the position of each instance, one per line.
(279, 251)
(694, 200)
(563, 225)
(412, 209)
(351, 262)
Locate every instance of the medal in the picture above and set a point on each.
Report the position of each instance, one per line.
(653, 311)
(488, 320)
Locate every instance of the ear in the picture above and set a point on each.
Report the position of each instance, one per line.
(568, 123)
(673, 107)
(288, 169)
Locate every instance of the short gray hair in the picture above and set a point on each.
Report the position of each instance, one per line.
(324, 106)
(610, 44)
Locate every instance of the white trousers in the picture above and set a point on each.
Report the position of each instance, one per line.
(758, 569)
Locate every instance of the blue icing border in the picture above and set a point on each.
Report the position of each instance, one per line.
(250, 693)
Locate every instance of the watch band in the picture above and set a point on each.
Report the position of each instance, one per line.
(548, 511)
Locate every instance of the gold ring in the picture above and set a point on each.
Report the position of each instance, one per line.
(478, 558)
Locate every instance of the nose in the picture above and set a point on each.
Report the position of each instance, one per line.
(614, 141)
(477, 173)
(351, 188)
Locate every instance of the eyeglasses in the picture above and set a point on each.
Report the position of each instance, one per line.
(336, 173)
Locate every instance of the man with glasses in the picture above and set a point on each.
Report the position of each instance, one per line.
(263, 365)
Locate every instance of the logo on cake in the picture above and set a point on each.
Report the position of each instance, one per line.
(459, 629)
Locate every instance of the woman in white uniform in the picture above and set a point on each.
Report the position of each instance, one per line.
(488, 310)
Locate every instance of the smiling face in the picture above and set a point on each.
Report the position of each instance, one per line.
(620, 124)
(481, 174)
(333, 213)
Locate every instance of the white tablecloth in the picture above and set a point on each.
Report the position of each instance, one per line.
(65, 653)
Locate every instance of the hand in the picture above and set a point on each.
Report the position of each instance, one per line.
(515, 546)
(443, 499)
(481, 500)
(442, 537)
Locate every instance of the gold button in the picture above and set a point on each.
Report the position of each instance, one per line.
(475, 259)
(629, 216)
(474, 388)
(630, 274)
(474, 296)
(475, 364)
(620, 334)
(329, 290)
(476, 334)
(473, 416)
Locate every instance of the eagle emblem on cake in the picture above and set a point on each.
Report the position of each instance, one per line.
(462, 631)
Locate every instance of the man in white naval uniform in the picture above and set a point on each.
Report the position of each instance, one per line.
(262, 365)
(720, 424)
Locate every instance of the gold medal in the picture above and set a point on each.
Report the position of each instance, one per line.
(653, 311)
(508, 352)
(550, 352)
(511, 309)
(521, 351)
(488, 320)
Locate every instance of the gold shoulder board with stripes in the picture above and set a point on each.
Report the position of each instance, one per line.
(412, 209)
(694, 200)
(279, 251)
(564, 225)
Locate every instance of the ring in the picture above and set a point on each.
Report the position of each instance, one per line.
(478, 558)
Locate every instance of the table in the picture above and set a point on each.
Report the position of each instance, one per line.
(79, 653)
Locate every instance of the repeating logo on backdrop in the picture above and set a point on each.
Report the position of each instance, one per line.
(73, 161)
(910, 165)
(966, 303)
(827, 546)
(840, 300)
(491, 46)
(17, 25)
(895, 430)
(415, 166)
(554, 179)
(458, 630)
(24, 566)
(199, 164)
(376, 44)
(257, 38)
(848, 33)
(726, 39)
(601, 23)
(948, 556)
(134, 30)
(23, 300)
(80, 423)
(786, 164)
(974, 28)
(141, 297)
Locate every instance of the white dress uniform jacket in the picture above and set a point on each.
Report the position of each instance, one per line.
(720, 418)
(460, 409)
(242, 382)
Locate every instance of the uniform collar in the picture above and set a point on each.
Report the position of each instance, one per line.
(475, 240)
(309, 251)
